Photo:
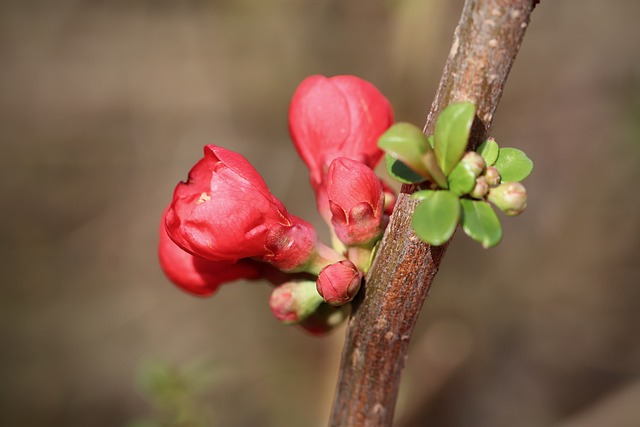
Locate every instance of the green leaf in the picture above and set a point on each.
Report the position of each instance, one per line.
(429, 161)
(407, 143)
(480, 222)
(436, 217)
(401, 172)
(513, 165)
(489, 150)
(422, 194)
(432, 140)
(462, 180)
(452, 134)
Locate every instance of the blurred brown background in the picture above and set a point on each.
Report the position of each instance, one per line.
(104, 107)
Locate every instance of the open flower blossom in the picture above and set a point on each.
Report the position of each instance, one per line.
(225, 212)
(341, 116)
(197, 275)
(356, 200)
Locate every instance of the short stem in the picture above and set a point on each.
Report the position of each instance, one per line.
(336, 243)
(323, 256)
(360, 257)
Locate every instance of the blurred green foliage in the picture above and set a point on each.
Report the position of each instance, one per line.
(177, 394)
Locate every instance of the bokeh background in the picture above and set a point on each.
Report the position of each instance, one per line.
(106, 104)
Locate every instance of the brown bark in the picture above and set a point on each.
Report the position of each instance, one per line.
(485, 45)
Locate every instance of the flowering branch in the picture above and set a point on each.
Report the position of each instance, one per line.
(485, 45)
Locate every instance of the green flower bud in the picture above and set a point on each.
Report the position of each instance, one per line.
(481, 189)
(474, 162)
(493, 176)
(292, 302)
(510, 197)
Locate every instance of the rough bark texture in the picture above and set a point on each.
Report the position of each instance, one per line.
(485, 45)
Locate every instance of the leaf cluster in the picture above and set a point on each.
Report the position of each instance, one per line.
(460, 183)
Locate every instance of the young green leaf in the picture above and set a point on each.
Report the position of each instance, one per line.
(436, 217)
(407, 143)
(452, 134)
(422, 194)
(489, 150)
(429, 161)
(461, 179)
(513, 165)
(401, 172)
(480, 222)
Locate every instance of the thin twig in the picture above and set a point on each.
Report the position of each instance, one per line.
(485, 45)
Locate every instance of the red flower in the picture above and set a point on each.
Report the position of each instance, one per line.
(339, 283)
(289, 247)
(225, 212)
(197, 275)
(356, 201)
(341, 116)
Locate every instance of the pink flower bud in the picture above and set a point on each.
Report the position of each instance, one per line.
(224, 211)
(196, 275)
(339, 283)
(493, 176)
(293, 302)
(481, 189)
(356, 201)
(341, 116)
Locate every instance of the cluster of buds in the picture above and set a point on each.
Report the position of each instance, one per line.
(499, 172)
(223, 223)
(509, 197)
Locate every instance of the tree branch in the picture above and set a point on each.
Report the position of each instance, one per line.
(484, 48)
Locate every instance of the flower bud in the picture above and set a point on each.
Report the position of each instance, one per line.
(510, 197)
(290, 247)
(340, 116)
(474, 162)
(225, 209)
(356, 201)
(292, 302)
(339, 283)
(493, 176)
(199, 276)
(481, 189)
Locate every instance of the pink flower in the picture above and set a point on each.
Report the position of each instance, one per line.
(225, 212)
(339, 283)
(341, 116)
(356, 201)
(197, 275)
